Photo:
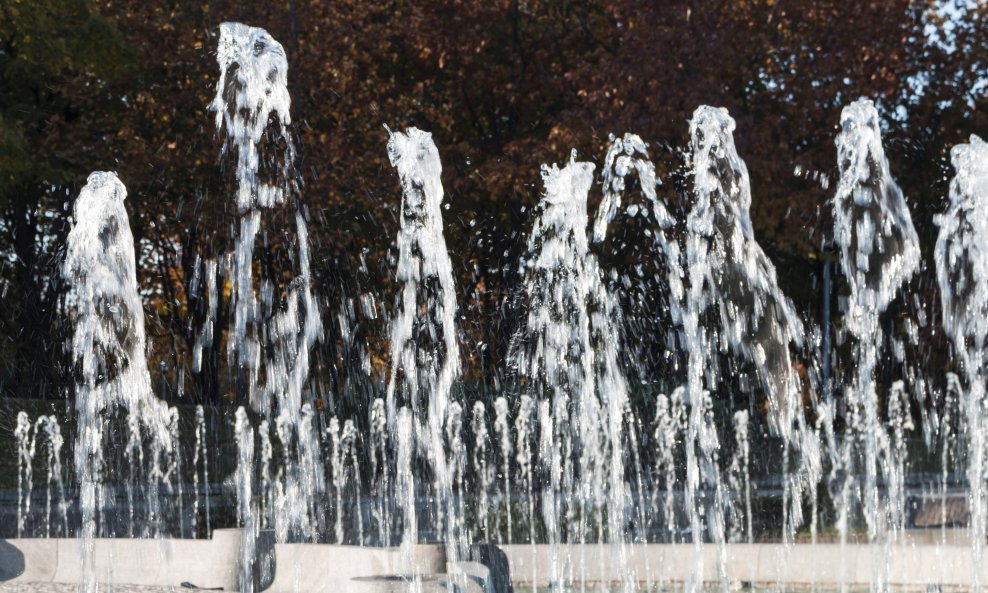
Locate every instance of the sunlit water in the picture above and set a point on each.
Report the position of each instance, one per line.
(561, 456)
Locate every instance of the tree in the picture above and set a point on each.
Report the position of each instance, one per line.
(57, 62)
(504, 87)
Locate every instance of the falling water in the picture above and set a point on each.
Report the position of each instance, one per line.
(553, 351)
(351, 454)
(624, 156)
(458, 465)
(200, 458)
(422, 374)
(740, 476)
(670, 424)
(336, 465)
(405, 481)
(108, 346)
(728, 269)
(31, 438)
(25, 459)
(550, 454)
(523, 445)
(252, 107)
(879, 252)
(962, 271)
(380, 470)
(502, 430)
(56, 485)
(569, 441)
(485, 473)
(567, 352)
(246, 509)
(206, 335)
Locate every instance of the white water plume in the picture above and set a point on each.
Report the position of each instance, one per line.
(251, 93)
(624, 156)
(567, 353)
(274, 327)
(380, 470)
(962, 271)
(879, 252)
(729, 271)
(425, 353)
(200, 458)
(485, 473)
(670, 425)
(108, 346)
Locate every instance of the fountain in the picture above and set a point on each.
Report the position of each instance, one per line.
(960, 255)
(424, 347)
(572, 473)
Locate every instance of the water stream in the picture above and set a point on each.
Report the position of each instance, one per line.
(571, 449)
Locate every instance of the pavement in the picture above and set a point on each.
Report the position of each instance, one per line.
(24, 587)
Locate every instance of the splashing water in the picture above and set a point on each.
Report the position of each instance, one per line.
(422, 374)
(380, 470)
(670, 424)
(879, 252)
(757, 321)
(523, 445)
(200, 458)
(739, 473)
(567, 352)
(458, 466)
(251, 93)
(107, 345)
(485, 473)
(246, 508)
(31, 438)
(962, 271)
(25, 459)
(502, 430)
(624, 156)
(554, 350)
(252, 107)
(561, 456)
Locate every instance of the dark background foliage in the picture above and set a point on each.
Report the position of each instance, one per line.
(504, 86)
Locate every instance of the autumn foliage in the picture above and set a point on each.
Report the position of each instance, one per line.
(504, 86)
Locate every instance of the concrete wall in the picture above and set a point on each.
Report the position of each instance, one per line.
(330, 568)
(324, 567)
(824, 564)
(163, 562)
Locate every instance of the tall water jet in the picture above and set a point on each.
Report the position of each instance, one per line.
(276, 320)
(107, 344)
(200, 458)
(567, 353)
(879, 252)
(246, 512)
(425, 353)
(553, 350)
(729, 271)
(757, 320)
(962, 271)
(380, 470)
(740, 478)
(502, 432)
